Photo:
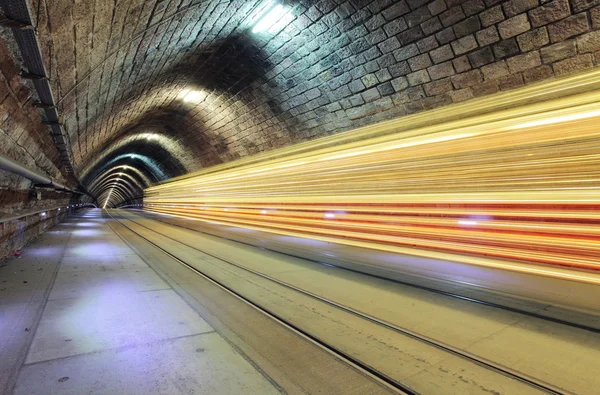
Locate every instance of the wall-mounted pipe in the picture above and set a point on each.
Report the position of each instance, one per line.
(18, 16)
(16, 168)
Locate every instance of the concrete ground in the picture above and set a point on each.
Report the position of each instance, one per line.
(93, 307)
(560, 356)
(81, 313)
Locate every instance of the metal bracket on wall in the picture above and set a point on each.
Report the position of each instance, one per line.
(30, 76)
(13, 24)
(53, 123)
(43, 105)
(17, 16)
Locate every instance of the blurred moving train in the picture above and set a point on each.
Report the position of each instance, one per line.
(499, 193)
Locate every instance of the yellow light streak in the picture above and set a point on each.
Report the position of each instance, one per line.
(510, 181)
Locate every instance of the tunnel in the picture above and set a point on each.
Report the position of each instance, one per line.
(299, 196)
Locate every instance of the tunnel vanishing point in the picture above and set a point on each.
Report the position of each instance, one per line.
(404, 192)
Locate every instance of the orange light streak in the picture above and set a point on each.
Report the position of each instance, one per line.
(490, 184)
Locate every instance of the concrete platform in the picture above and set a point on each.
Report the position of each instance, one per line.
(81, 313)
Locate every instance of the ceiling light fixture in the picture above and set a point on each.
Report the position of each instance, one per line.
(272, 17)
(193, 97)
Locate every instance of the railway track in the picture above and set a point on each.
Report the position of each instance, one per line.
(425, 288)
(505, 377)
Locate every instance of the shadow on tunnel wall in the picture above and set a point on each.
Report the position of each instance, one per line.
(230, 68)
(234, 64)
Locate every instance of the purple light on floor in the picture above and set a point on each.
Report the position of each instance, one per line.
(87, 224)
(42, 251)
(87, 232)
(93, 249)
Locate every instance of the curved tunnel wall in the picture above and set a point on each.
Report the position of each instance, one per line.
(208, 90)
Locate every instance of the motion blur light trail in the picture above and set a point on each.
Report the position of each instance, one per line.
(494, 182)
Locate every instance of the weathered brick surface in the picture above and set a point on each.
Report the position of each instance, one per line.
(495, 70)
(481, 57)
(467, 79)
(570, 65)
(491, 16)
(23, 139)
(466, 27)
(551, 11)
(558, 51)
(461, 64)
(441, 70)
(533, 39)
(120, 70)
(437, 7)
(464, 45)
(589, 42)
(568, 27)
(506, 48)
(595, 16)
(461, 95)
(487, 36)
(441, 54)
(515, 7)
(439, 87)
(537, 74)
(523, 62)
(582, 5)
(486, 88)
(514, 26)
(418, 78)
(472, 7)
(510, 81)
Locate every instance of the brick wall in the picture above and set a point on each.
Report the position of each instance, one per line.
(16, 234)
(329, 66)
(23, 138)
(333, 66)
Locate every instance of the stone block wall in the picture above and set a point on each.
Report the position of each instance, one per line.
(406, 56)
(15, 234)
(342, 64)
(119, 70)
(24, 139)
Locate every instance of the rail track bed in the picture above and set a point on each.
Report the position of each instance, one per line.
(407, 339)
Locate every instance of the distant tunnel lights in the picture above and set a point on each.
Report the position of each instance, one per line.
(272, 17)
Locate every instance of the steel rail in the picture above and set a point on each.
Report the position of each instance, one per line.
(355, 363)
(421, 287)
(498, 368)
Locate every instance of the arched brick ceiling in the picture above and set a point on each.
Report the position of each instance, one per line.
(121, 69)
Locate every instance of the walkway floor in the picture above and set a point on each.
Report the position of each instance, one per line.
(146, 304)
(80, 312)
